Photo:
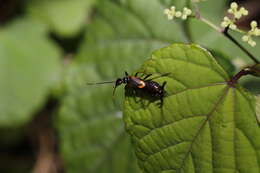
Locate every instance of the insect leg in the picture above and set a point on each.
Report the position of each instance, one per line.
(126, 74)
(163, 85)
(147, 76)
(162, 96)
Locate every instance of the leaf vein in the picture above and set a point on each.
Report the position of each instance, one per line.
(197, 133)
(169, 124)
(204, 123)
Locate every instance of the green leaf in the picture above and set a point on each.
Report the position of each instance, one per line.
(258, 108)
(29, 68)
(251, 83)
(112, 44)
(128, 34)
(64, 17)
(225, 62)
(205, 125)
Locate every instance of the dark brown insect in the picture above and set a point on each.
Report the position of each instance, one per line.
(146, 85)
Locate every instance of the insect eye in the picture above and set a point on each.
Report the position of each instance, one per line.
(125, 79)
(119, 82)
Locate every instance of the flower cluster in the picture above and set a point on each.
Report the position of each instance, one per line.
(172, 12)
(255, 31)
(227, 22)
(237, 13)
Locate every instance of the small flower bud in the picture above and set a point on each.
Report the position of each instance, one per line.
(233, 5)
(178, 14)
(230, 11)
(243, 11)
(237, 15)
(245, 38)
(257, 32)
(233, 26)
(252, 43)
(187, 11)
(166, 11)
(173, 8)
(224, 24)
(253, 24)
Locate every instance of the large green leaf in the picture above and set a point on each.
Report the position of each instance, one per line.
(205, 125)
(29, 68)
(92, 136)
(127, 35)
(65, 17)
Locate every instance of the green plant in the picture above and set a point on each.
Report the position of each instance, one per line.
(208, 122)
(49, 50)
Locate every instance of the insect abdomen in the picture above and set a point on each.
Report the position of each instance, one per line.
(153, 87)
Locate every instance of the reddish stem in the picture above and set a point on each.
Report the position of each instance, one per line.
(235, 78)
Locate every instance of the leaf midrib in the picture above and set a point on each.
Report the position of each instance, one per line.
(198, 132)
(209, 115)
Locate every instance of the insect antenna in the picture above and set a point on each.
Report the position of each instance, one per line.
(106, 82)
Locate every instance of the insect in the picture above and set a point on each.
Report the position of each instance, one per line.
(145, 85)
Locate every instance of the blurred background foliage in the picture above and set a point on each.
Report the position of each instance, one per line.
(50, 120)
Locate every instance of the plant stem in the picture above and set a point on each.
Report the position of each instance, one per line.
(225, 32)
(210, 24)
(235, 78)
